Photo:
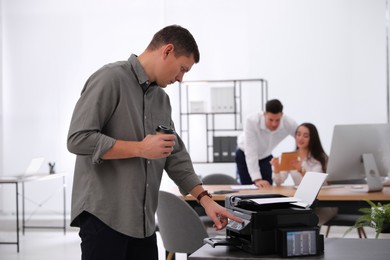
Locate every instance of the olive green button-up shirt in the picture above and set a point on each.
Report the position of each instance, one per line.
(119, 103)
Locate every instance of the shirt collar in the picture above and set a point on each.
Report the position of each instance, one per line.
(139, 72)
(262, 123)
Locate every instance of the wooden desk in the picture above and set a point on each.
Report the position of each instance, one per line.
(335, 249)
(343, 196)
(341, 193)
(16, 180)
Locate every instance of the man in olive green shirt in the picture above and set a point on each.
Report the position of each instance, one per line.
(120, 160)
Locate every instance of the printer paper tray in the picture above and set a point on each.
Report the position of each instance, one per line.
(222, 241)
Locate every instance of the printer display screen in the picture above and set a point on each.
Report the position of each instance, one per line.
(301, 242)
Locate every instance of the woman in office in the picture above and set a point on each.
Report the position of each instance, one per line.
(311, 157)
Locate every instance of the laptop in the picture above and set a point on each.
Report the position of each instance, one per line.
(305, 194)
(34, 165)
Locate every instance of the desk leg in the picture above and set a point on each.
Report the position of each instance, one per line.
(23, 210)
(64, 194)
(17, 216)
(63, 226)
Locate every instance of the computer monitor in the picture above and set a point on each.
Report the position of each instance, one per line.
(350, 143)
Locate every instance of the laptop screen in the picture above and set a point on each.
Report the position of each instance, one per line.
(34, 165)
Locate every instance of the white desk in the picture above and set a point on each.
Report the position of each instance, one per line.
(16, 180)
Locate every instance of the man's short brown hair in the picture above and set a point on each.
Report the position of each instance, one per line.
(181, 38)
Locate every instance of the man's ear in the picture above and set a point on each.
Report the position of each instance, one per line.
(168, 50)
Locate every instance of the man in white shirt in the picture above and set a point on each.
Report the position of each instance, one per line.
(262, 133)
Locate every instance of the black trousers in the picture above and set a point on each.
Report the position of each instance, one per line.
(242, 169)
(100, 242)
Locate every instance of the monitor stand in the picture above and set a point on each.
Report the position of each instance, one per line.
(374, 182)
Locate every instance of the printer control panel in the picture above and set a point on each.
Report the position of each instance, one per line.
(236, 226)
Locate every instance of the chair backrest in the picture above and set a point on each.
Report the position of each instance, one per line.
(180, 227)
(219, 178)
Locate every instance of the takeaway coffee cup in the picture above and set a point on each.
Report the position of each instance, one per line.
(162, 129)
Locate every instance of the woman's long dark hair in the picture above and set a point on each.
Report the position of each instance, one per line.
(315, 146)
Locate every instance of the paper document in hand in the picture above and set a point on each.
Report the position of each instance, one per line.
(286, 161)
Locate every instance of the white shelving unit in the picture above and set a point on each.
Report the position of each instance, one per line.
(213, 111)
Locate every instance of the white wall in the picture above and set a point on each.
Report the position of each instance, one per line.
(324, 59)
(1, 99)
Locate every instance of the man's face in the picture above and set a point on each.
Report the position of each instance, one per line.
(173, 69)
(272, 121)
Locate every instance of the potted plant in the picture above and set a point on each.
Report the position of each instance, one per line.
(377, 217)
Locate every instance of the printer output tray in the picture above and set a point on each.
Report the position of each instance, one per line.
(245, 202)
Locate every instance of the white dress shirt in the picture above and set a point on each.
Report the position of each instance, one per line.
(258, 142)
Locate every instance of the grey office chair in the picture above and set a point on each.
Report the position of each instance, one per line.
(346, 220)
(214, 179)
(346, 215)
(219, 178)
(179, 225)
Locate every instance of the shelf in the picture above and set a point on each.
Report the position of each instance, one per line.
(213, 109)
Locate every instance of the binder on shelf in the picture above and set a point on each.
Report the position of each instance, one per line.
(232, 148)
(216, 149)
(224, 148)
